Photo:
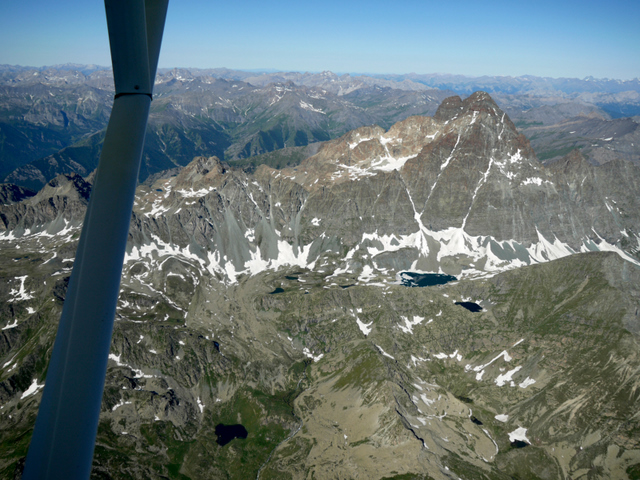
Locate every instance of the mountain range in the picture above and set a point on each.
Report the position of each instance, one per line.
(279, 299)
(52, 120)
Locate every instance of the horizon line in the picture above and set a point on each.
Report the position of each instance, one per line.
(274, 70)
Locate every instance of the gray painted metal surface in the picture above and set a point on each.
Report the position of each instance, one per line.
(64, 436)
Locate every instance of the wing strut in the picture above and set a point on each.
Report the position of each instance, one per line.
(65, 431)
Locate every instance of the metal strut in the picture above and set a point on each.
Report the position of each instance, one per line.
(65, 431)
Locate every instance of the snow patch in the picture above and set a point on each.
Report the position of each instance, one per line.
(480, 368)
(358, 142)
(33, 388)
(308, 353)
(365, 327)
(409, 324)
(308, 106)
(11, 325)
(383, 352)
(191, 193)
(118, 405)
(20, 294)
(519, 434)
(527, 381)
(503, 379)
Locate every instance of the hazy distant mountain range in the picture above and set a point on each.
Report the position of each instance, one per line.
(52, 118)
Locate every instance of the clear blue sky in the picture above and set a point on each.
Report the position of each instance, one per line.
(546, 38)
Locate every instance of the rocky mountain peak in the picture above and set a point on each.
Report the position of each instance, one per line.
(573, 162)
(201, 170)
(62, 201)
(481, 101)
(449, 108)
(454, 107)
(69, 185)
(476, 130)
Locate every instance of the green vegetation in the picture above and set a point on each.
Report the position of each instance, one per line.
(278, 159)
(16, 449)
(524, 124)
(634, 472)
(362, 367)
(557, 152)
(267, 420)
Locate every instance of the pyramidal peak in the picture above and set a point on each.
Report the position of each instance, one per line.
(475, 126)
(454, 107)
(200, 171)
(479, 111)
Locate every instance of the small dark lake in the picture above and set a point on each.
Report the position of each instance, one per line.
(519, 444)
(277, 290)
(475, 420)
(226, 433)
(471, 306)
(412, 279)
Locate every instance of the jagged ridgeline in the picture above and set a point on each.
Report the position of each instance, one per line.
(264, 329)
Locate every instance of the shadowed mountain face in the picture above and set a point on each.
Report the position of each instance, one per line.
(10, 194)
(273, 302)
